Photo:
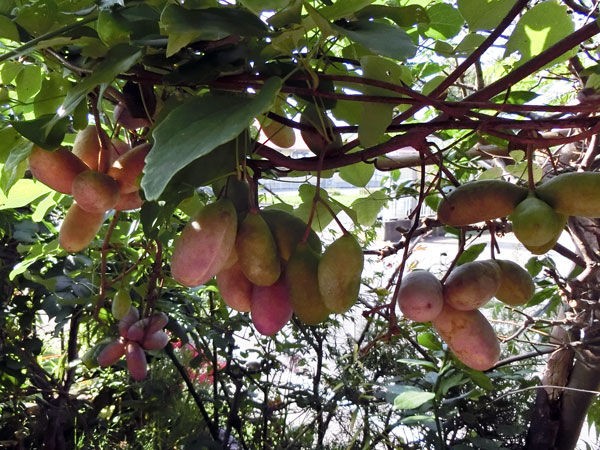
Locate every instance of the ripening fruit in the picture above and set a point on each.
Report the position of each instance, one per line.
(79, 228)
(270, 307)
(132, 316)
(301, 276)
(124, 118)
(121, 304)
(95, 192)
(534, 222)
(127, 169)
(129, 201)
(541, 249)
(339, 273)
(56, 169)
(288, 230)
(87, 146)
(470, 337)
(516, 286)
(140, 329)
(235, 190)
(279, 134)
(136, 361)
(235, 288)
(479, 201)
(205, 244)
(257, 251)
(156, 341)
(324, 138)
(112, 353)
(573, 194)
(420, 296)
(472, 284)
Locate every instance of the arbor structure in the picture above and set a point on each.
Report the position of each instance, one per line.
(148, 112)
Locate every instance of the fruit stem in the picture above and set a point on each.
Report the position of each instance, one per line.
(104, 264)
(530, 177)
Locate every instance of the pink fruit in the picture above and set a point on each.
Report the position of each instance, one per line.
(136, 361)
(113, 352)
(270, 308)
(129, 319)
(156, 341)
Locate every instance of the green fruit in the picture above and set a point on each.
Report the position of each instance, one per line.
(121, 304)
(339, 273)
(301, 276)
(288, 230)
(534, 222)
(472, 285)
(479, 201)
(323, 138)
(542, 249)
(257, 251)
(573, 194)
(516, 286)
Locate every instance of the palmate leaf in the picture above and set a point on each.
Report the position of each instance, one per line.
(198, 126)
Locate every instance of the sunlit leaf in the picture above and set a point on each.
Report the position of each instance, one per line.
(197, 127)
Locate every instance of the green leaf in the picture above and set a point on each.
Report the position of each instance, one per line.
(376, 117)
(341, 9)
(291, 14)
(381, 38)
(184, 26)
(469, 44)
(358, 174)
(322, 217)
(8, 29)
(258, 6)
(23, 193)
(495, 11)
(112, 28)
(37, 17)
(119, 59)
(471, 253)
(45, 131)
(412, 399)
(14, 150)
(10, 70)
(430, 341)
(28, 82)
(404, 16)
(196, 127)
(493, 173)
(445, 21)
(367, 208)
(539, 28)
(51, 95)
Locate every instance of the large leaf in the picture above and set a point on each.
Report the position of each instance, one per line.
(376, 117)
(539, 28)
(495, 11)
(119, 59)
(357, 174)
(381, 38)
(23, 193)
(209, 24)
(445, 21)
(45, 131)
(196, 128)
(412, 399)
(368, 208)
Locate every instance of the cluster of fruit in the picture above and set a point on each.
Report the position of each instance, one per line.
(79, 173)
(136, 336)
(268, 263)
(538, 216)
(453, 307)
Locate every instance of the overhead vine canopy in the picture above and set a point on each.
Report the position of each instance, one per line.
(179, 96)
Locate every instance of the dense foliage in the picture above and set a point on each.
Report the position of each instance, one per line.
(397, 99)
